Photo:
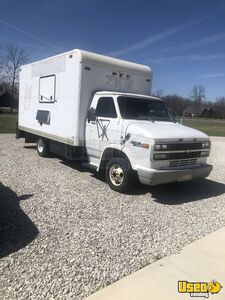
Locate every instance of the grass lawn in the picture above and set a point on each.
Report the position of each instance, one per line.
(209, 126)
(8, 123)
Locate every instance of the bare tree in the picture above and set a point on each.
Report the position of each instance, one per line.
(1, 67)
(11, 62)
(220, 107)
(198, 94)
(176, 103)
(158, 93)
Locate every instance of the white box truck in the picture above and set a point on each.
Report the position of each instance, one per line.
(98, 109)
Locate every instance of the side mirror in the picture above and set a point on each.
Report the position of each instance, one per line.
(91, 114)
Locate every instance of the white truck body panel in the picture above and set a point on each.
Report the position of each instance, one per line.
(63, 86)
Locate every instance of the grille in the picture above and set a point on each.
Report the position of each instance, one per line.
(184, 146)
(183, 163)
(183, 155)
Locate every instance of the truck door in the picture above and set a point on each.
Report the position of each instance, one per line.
(106, 129)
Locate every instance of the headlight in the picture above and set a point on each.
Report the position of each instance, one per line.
(159, 147)
(206, 144)
(159, 156)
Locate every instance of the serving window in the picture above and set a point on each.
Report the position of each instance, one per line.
(47, 89)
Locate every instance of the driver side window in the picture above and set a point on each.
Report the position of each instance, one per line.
(106, 108)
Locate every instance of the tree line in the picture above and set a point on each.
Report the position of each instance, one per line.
(194, 106)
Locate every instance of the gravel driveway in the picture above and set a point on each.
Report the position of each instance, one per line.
(64, 234)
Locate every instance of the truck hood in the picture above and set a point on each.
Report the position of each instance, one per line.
(163, 130)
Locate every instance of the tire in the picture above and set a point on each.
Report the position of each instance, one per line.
(43, 147)
(119, 175)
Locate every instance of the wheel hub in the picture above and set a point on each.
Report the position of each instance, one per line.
(116, 175)
(40, 146)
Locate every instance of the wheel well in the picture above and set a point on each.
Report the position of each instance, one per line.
(110, 153)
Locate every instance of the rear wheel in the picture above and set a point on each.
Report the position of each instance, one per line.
(119, 175)
(42, 147)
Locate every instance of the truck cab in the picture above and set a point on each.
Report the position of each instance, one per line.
(135, 136)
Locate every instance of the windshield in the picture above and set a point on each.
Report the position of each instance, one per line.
(143, 109)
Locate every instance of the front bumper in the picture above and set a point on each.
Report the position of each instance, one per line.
(154, 177)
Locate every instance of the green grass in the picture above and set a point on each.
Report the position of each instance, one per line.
(8, 123)
(209, 126)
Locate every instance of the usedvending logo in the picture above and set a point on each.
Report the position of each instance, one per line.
(199, 289)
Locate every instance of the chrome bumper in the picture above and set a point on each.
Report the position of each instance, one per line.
(154, 177)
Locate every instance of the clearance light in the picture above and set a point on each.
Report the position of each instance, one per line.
(145, 146)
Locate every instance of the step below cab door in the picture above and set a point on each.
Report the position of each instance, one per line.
(105, 130)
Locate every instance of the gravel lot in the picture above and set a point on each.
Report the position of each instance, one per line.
(64, 234)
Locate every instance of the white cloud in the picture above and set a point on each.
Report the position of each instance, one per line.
(155, 61)
(212, 75)
(21, 43)
(201, 42)
(160, 36)
(188, 58)
(148, 41)
(204, 41)
(164, 50)
(28, 34)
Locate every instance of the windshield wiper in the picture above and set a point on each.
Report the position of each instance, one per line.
(146, 118)
(151, 120)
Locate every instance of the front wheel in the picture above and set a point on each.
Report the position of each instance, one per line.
(119, 175)
(43, 147)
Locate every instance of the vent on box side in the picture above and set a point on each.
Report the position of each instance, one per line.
(43, 117)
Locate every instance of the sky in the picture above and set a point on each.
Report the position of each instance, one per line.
(183, 41)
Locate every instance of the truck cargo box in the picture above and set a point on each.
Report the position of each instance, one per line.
(55, 93)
